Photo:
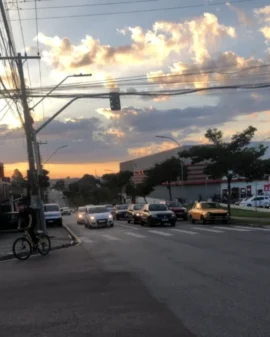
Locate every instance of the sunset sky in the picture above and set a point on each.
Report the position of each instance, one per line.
(184, 45)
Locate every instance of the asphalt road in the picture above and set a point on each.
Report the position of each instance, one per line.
(129, 280)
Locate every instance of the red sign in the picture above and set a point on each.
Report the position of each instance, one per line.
(266, 187)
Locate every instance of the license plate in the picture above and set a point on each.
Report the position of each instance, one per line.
(50, 221)
(164, 219)
(101, 221)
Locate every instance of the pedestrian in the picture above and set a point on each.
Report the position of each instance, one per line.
(28, 219)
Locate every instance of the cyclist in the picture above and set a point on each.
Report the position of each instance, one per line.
(28, 220)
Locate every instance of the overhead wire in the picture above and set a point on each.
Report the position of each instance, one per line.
(133, 11)
(88, 5)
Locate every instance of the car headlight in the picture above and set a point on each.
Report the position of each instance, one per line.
(110, 216)
(137, 214)
(80, 216)
(92, 218)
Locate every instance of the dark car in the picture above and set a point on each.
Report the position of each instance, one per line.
(120, 211)
(179, 210)
(157, 214)
(133, 213)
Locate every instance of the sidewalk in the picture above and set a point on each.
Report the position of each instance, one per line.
(60, 238)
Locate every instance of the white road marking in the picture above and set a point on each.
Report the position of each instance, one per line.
(127, 226)
(135, 235)
(183, 231)
(160, 233)
(234, 229)
(254, 228)
(207, 230)
(110, 237)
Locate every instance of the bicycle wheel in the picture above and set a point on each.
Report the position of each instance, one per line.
(22, 248)
(44, 244)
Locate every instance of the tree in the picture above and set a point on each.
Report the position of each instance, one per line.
(117, 181)
(230, 159)
(60, 185)
(44, 179)
(144, 189)
(17, 179)
(166, 172)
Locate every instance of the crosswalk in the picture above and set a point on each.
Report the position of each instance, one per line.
(122, 232)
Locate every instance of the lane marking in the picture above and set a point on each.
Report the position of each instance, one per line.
(127, 226)
(254, 228)
(160, 233)
(234, 229)
(110, 237)
(208, 230)
(135, 235)
(86, 240)
(183, 231)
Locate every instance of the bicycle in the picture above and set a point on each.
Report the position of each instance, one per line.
(27, 245)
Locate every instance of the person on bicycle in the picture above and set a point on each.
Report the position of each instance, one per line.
(28, 220)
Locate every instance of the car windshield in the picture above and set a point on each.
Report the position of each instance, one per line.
(96, 210)
(119, 207)
(137, 207)
(51, 208)
(158, 207)
(206, 205)
(175, 204)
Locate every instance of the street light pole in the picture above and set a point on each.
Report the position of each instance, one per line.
(58, 85)
(178, 144)
(60, 147)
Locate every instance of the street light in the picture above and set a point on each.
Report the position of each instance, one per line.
(58, 85)
(60, 147)
(178, 144)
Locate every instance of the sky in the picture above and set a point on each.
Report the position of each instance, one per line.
(136, 47)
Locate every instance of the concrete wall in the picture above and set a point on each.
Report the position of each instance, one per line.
(189, 193)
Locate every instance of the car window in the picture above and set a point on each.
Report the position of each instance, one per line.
(158, 207)
(206, 205)
(96, 210)
(51, 208)
(119, 207)
(138, 207)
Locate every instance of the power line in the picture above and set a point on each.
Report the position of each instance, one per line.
(132, 12)
(88, 5)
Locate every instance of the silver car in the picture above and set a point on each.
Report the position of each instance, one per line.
(98, 216)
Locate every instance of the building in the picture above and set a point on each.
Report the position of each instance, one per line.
(197, 185)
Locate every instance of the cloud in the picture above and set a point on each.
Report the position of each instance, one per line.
(227, 68)
(243, 17)
(264, 14)
(195, 37)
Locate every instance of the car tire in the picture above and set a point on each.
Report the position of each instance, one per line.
(142, 223)
(203, 220)
(191, 219)
(172, 223)
(225, 222)
(112, 225)
(117, 217)
(128, 221)
(185, 218)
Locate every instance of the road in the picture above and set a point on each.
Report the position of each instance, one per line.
(193, 280)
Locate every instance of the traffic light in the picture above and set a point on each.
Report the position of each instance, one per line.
(115, 103)
(44, 179)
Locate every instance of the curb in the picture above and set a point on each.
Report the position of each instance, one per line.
(73, 235)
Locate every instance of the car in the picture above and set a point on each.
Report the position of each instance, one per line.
(157, 214)
(256, 201)
(208, 212)
(98, 216)
(109, 207)
(65, 211)
(133, 213)
(53, 214)
(81, 215)
(120, 212)
(179, 210)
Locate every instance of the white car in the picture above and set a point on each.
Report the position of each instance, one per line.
(65, 211)
(98, 216)
(53, 215)
(256, 201)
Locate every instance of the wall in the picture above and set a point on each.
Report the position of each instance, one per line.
(189, 193)
(261, 185)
